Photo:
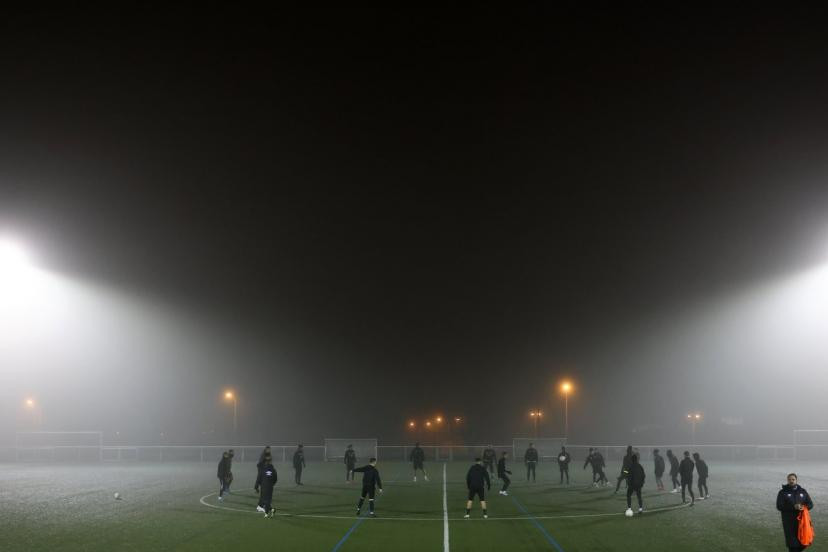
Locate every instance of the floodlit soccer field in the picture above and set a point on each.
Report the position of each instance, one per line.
(175, 507)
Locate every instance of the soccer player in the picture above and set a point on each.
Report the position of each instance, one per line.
(230, 454)
(223, 475)
(490, 459)
(701, 467)
(674, 470)
(588, 462)
(475, 479)
(370, 482)
(790, 501)
(658, 460)
(635, 481)
(417, 458)
(625, 468)
(599, 464)
(501, 473)
(350, 462)
(299, 463)
(686, 472)
(563, 464)
(269, 477)
(259, 465)
(531, 460)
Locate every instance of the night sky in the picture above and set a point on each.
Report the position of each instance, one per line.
(381, 216)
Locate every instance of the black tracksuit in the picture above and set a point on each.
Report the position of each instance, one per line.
(531, 459)
(268, 474)
(223, 474)
(658, 460)
(635, 481)
(489, 459)
(298, 464)
(701, 467)
(350, 462)
(259, 466)
(501, 473)
(477, 481)
(370, 481)
(598, 465)
(417, 457)
(674, 470)
(563, 465)
(788, 497)
(625, 468)
(686, 472)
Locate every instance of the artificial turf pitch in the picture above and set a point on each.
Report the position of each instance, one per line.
(175, 507)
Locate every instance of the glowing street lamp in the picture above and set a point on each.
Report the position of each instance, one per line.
(31, 405)
(566, 387)
(694, 418)
(230, 396)
(536, 415)
(412, 425)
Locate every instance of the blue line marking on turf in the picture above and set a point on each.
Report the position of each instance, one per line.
(348, 534)
(543, 530)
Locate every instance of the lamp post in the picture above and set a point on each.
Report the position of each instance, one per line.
(32, 406)
(566, 387)
(535, 415)
(230, 396)
(694, 418)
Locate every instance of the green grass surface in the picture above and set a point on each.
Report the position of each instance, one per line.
(175, 507)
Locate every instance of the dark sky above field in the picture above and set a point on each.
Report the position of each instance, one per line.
(357, 218)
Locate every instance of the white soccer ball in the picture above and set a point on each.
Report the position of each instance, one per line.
(562, 458)
(629, 512)
(117, 496)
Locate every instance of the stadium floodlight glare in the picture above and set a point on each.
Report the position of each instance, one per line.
(458, 419)
(694, 418)
(428, 423)
(536, 416)
(230, 396)
(439, 419)
(12, 256)
(566, 387)
(412, 424)
(30, 403)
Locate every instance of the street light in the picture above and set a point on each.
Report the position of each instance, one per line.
(536, 415)
(566, 387)
(230, 396)
(694, 418)
(32, 406)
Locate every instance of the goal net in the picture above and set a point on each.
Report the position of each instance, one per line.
(548, 447)
(364, 449)
(810, 444)
(60, 446)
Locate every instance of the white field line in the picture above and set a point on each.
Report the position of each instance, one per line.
(445, 514)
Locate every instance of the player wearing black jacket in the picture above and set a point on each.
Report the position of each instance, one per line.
(674, 470)
(350, 461)
(701, 467)
(658, 460)
(259, 465)
(489, 459)
(476, 477)
(223, 473)
(530, 458)
(370, 482)
(298, 463)
(269, 479)
(501, 473)
(635, 481)
(417, 458)
(563, 464)
(625, 468)
(686, 472)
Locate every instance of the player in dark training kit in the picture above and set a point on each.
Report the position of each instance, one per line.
(350, 461)
(635, 481)
(658, 460)
(259, 465)
(701, 467)
(674, 470)
(489, 459)
(299, 463)
(686, 472)
(370, 482)
(417, 458)
(531, 461)
(502, 474)
(223, 474)
(268, 474)
(475, 479)
(563, 464)
(625, 468)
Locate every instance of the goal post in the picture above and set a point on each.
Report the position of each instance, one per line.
(364, 449)
(64, 446)
(548, 447)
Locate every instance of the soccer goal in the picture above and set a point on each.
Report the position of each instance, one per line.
(364, 449)
(810, 444)
(58, 446)
(548, 447)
